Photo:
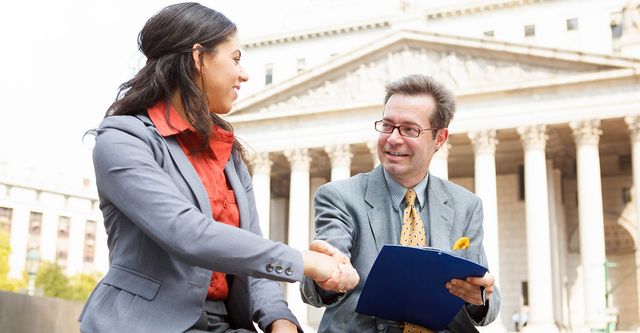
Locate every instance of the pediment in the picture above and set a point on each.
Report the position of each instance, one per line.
(463, 65)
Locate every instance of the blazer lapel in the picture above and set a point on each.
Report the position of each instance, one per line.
(377, 196)
(440, 215)
(190, 175)
(239, 192)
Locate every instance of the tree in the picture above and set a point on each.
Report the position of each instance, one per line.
(52, 280)
(6, 283)
(82, 285)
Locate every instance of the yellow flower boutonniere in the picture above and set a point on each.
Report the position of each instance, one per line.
(461, 244)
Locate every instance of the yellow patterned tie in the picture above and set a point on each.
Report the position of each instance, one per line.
(413, 234)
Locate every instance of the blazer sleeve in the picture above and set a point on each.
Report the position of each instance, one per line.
(476, 250)
(129, 177)
(334, 224)
(267, 301)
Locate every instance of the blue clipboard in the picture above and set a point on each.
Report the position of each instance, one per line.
(408, 284)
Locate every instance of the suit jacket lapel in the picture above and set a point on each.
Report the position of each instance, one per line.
(190, 175)
(440, 215)
(239, 192)
(377, 196)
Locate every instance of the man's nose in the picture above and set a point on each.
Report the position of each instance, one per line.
(395, 137)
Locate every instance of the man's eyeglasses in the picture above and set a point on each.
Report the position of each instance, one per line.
(406, 131)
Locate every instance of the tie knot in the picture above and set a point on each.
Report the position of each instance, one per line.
(410, 197)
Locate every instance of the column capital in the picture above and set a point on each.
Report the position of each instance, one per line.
(533, 137)
(298, 158)
(634, 127)
(260, 163)
(339, 154)
(484, 142)
(586, 132)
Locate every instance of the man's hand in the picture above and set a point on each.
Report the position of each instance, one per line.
(342, 280)
(282, 326)
(470, 289)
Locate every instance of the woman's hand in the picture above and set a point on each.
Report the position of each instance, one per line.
(345, 277)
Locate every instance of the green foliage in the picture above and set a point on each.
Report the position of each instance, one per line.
(52, 280)
(54, 283)
(82, 285)
(6, 283)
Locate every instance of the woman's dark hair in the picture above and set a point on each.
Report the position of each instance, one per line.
(167, 40)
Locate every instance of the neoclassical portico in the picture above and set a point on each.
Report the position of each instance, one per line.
(547, 149)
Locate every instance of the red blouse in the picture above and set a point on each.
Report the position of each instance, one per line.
(209, 166)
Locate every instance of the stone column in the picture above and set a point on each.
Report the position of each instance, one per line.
(261, 179)
(439, 164)
(373, 149)
(634, 130)
(75, 253)
(484, 147)
(591, 221)
(538, 233)
(314, 314)
(298, 222)
(340, 161)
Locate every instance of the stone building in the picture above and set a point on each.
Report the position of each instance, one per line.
(546, 133)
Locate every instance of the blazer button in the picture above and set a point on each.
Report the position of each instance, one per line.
(269, 268)
(279, 269)
(288, 271)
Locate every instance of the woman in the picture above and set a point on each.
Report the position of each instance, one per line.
(185, 247)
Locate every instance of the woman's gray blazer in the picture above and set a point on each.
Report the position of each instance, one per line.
(163, 243)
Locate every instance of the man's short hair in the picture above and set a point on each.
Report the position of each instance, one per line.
(418, 84)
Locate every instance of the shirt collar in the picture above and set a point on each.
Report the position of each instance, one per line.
(167, 126)
(397, 191)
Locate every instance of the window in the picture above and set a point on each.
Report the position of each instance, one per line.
(6, 214)
(35, 231)
(530, 30)
(62, 243)
(489, 33)
(63, 226)
(89, 241)
(572, 24)
(268, 74)
(616, 30)
(525, 292)
(301, 64)
(35, 223)
(616, 25)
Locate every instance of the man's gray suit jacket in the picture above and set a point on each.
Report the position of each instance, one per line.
(353, 215)
(163, 243)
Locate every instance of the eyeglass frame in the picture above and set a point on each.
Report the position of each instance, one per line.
(399, 128)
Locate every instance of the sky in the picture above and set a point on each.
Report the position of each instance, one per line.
(61, 63)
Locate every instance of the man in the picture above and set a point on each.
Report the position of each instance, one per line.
(357, 216)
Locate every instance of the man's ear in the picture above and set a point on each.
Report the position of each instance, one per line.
(441, 137)
(196, 53)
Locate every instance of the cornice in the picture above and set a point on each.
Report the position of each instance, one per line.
(381, 22)
(288, 37)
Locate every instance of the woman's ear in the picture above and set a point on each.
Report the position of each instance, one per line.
(196, 53)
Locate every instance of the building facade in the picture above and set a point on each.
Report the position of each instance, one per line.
(54, 216)
(546, 133)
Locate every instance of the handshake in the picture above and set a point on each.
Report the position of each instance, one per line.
(329, 268)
